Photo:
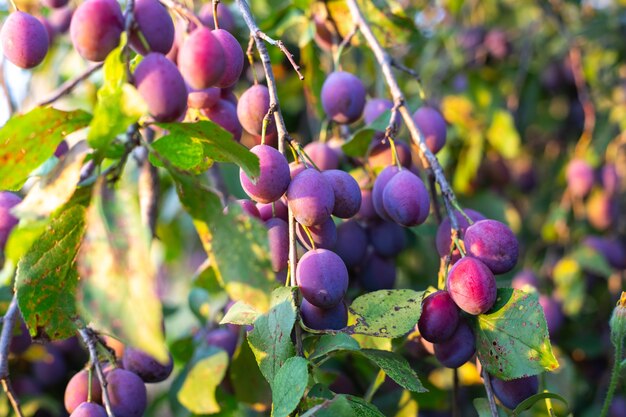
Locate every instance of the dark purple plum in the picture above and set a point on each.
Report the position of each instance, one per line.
(374, 108)
(96, 28)
(580, 178)
(60, 19)
(377, 273)
(405, 199)
(512, 393)
(613, 250)
(276, 209)
(343, 97)
(55, 4)
(252, 107)
(62, 149)
(610, 179)
(439, 318)
(444, 240)
(457, 350)
(351, 245)
(77, 389)
(24, 40)
(147, 367)
(387, 238)
(233, 56)
(310, 197)
(201, 59)
(155, 24)
(472, 286)
(50, 369)
(493, 243)
(322, 155)
(162, 87)
(225, 18)
(89, 410)
(602, 210)
(127, 393)
(322, 277)
(295, 168)
(367, 211)
(525, 280)
(324, 235)
(347, 193)
(381, 154)
(432, 126)
(316, 318)
(379, 186)
(223, 339)
(224, 113)
(553, 313)
(273, 179)
(278, 234)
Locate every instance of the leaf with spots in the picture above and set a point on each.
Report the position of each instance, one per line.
(386, 313)
(28, 140)
(47, 278)
(119, 293)
(396, 368)
(289, 385)
(270, 340)
(512, 338)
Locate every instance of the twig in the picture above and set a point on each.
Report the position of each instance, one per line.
(283, 136)
(455, 392)
(429, 160)
(250, 55)
(182, 10)
(91, 340)
(492, 401)
(68, 86)
(5, 341)
(394, 63)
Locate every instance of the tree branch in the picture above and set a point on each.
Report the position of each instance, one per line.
(429, 160)
(68, 86)
(283, 136)
(5, 342)
(492, 401)
(91, 340)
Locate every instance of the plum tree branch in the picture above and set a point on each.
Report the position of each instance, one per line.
(283, 135)
(91, 341)
(429, 160)
(8, 323)
(490, 398)
(69, 86)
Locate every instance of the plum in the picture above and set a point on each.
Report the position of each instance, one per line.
(310, 197)
(493, 243)
(439, 318)
(347, 193)
(472, 286)
(322, 277)
(96, 28)
(274, 178)
(343, 97)
(24, 40)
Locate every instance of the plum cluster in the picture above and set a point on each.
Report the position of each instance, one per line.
(125, 386)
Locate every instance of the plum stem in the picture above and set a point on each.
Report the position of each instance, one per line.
(308, 233)
(215, 20)
(91, 341)
(8, 322)
(250, 55)
(15, 8)
(429, 160)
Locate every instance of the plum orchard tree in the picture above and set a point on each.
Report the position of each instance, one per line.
(340, 278)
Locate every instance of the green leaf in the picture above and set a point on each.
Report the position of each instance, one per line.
(386, 313)
(197, 393)
(240, 313)
(512, 338)
(289, 385)
(396, 367)
(217, 144)
(236, 244)
(569, 285)
(359, 143)
(591, 261)
(47, 277)
(119, 103)
(530, 401)
(331, 343)
(270, 340)
(183, 152)
(119, 279)
(28, 140)
(503, 135)
(344, 406)
(250, 387)
(482, 407)
(56, 188)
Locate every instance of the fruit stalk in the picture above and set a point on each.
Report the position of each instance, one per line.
(8, 322)
(491, 399)
(429, 160)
